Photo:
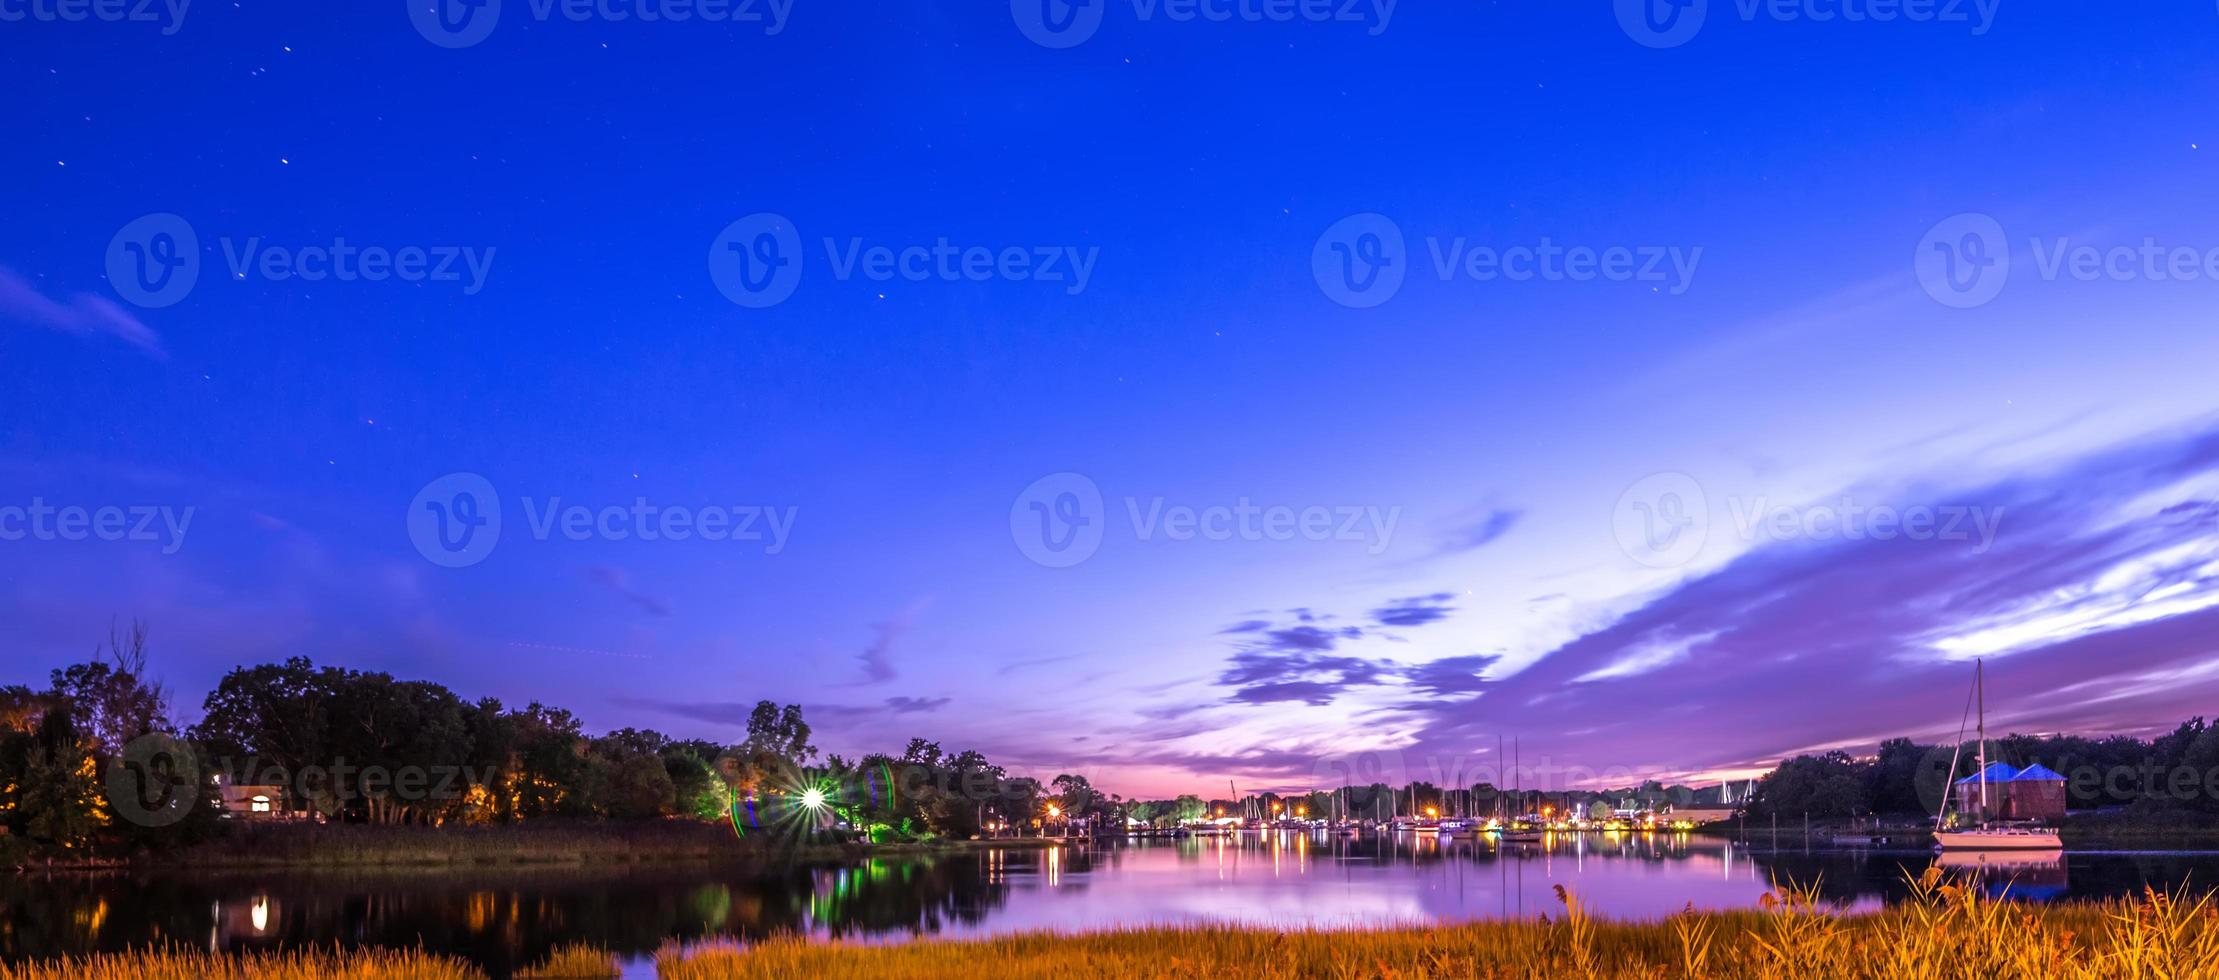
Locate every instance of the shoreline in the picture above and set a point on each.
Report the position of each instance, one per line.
(301, 847)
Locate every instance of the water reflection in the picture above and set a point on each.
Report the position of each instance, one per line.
(505, 920)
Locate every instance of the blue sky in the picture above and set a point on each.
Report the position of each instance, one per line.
(1509, 432)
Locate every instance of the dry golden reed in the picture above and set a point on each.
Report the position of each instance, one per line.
(317, 964)
(1945, 932)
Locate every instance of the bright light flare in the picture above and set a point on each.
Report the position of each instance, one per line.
(812, 798)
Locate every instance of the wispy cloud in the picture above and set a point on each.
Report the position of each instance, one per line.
(877, 657)
(84, 313)
(2104, 578)
(617, 581)
(1472, 531)
(899, 705)
(1414, 611)
(1023, 665)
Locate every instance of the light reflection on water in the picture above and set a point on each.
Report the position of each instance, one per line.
(507, 919)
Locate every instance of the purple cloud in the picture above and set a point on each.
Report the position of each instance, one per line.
(617, 581)
(2096, 603)
(85, 313)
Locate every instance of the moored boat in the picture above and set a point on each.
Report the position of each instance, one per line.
(1988, 836)
(1998, 839)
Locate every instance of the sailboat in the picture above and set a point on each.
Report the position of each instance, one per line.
(1986, 837)
(1516, 832)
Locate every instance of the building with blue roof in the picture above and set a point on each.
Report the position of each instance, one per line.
(2033, 793)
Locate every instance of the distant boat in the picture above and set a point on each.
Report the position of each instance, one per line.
(1998, 839)
(1987, 837)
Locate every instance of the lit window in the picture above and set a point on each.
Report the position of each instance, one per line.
(261, 804)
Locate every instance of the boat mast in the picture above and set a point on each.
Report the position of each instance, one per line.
(1980, 694)
(1956, 752)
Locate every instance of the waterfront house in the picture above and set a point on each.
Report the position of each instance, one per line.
(250, 802)
(2033, 793)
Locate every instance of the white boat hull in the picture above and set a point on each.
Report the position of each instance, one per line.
(1998, 840)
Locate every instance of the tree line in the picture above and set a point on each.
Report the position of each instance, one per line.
(95, 761)
(2171, 775)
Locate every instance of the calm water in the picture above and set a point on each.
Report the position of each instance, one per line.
(507, 919)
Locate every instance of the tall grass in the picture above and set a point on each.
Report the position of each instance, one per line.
(1946, 932)
(299, 965)
(574, 962)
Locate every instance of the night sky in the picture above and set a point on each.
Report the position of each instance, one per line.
(1145, 473)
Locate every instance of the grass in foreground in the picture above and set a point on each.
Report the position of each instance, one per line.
(1945, 932)
(301, 965)
(567, 963)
